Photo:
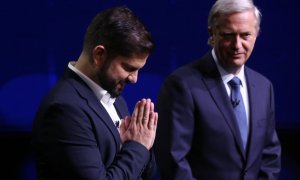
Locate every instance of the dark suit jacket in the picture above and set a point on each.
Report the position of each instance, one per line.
(75, 138)
(198, 136)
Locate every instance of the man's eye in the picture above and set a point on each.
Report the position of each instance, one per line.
(246, 35)
(226, 35)
(129, 68)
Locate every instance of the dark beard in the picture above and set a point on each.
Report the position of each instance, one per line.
(109, 84)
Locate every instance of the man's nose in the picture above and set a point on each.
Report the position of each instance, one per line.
(133, 77)
(237, 42)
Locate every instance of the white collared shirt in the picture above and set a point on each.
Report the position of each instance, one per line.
(226, 77)
(102, 95)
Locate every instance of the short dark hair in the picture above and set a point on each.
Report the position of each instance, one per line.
(120, 32)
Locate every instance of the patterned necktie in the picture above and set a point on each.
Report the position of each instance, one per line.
(239, 108)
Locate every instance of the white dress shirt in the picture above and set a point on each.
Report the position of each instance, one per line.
(102, 95)
(226, 77)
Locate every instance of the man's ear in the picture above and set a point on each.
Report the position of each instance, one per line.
(99, 55)
(210, 33)
(209, 29)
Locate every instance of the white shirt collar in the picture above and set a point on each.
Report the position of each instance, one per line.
(226, 77)
(101, 94)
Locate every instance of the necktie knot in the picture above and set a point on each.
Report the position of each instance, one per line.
(235, 83)
(235, 91)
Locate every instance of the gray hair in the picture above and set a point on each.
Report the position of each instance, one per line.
(225, 7)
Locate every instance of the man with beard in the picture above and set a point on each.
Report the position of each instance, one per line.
(76, 132)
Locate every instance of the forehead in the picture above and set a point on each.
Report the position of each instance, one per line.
(238, 21)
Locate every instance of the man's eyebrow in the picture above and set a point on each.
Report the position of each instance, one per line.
(130, 67)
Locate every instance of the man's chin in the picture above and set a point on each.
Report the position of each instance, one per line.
(115, 94)
(117, 91)
(238, 61)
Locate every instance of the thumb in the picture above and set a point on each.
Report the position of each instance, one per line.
(127, 121)
(122, 126)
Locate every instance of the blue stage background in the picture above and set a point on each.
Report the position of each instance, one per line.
(39, 38)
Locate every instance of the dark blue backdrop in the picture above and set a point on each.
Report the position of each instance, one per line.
(38, 38)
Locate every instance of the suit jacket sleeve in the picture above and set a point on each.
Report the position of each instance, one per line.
(175, 129)
(67, 140)
(150, 170)
(271, 156)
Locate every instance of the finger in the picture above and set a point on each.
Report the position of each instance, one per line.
(135, 112)
(122, 126)
(152, 107)
(126, 122)
(155, 125)
(141, 111)
(151, 122)
(146, 111)
(155, 120)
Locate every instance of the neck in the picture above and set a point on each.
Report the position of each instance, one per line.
(83, 64)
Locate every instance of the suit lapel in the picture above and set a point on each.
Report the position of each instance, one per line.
(215, 86)
(93, 102)
(121, 107)
(104, 116)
